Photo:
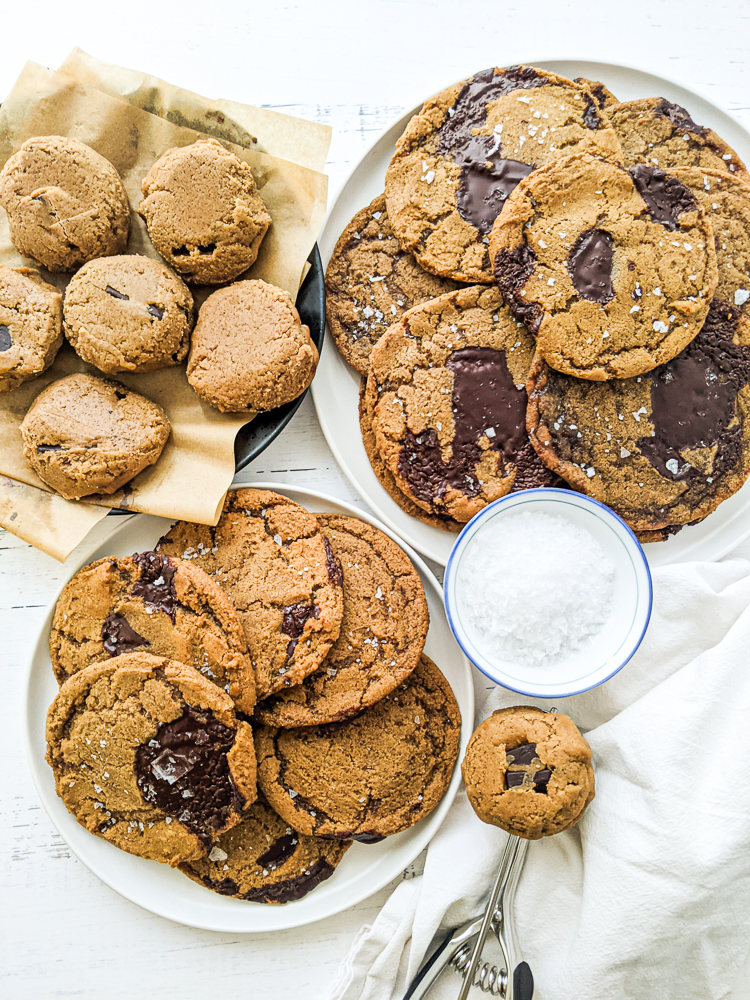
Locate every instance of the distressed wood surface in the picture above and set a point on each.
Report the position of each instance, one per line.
(356, 68)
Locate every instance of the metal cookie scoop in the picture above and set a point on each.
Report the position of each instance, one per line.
(462, 950)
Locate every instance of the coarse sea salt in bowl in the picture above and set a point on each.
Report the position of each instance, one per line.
(548, 592)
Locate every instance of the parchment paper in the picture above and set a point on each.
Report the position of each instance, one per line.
(197, 465)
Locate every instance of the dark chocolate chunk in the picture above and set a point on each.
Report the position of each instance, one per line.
(590, 266)
(678, 116)
(333, 566)
(541, 779)
(6, 341)
(514, 779)
(365, 838)
(524, 754)
(279, 852)
(115, 294)
(226, 886)
(665, 197)
(485, 185)
(155, 585)
(591, 117)
(180, 251)
(293, 624)
(119, 636)
(207, 248)
(512, 269)
(49, 447)
(156, 311)
(292, 888)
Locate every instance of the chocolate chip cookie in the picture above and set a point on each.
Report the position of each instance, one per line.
(382, 636)
(85, 435)
(447, 403)
(165, 606)
(203, 212)
(264, 860)
(603, 96)
(369, 776)
(148, 754)
(128, 314)
(370, 283)
(613, 269)
(469, 146)
(663, 134)
(528, 772)
(250, 350)
(30, 326)
(279, 571)
(65, 203)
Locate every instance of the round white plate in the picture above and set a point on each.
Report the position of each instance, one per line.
(336, 386)
(364, 869)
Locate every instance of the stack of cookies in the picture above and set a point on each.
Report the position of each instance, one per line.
(68, 210)
(553, 289)
(249, 698)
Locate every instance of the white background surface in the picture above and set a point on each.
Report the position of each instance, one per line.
(355, 66)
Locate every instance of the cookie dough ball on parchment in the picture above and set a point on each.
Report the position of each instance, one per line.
(203, 212)
(30, 326)
(65, 203)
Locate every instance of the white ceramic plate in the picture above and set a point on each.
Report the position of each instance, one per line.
(364, 869)
(336, 386)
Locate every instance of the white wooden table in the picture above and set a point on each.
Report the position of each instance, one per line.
(355, 67)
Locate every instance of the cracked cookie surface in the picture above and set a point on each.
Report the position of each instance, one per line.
(65, 203)
(149, 755)
(156, 603)
(528, 772)
(382, 636)
(612, 269)
(369, 776)
(30, 326)
(272, 560)
(466, 149)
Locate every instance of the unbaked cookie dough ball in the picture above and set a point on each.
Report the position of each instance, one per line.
(249, 349)
(65, 203)
(203, 212)
(128, 314)
(30, 326)
(85, 435)
(528, 772)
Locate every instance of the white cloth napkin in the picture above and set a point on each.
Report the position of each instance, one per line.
(649, 897)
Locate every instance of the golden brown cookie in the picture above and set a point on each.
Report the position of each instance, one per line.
(612, 269)
(369, 776)
(250, 350)
(149, 755)
(203, 212)
(370, 283)
(128, 314)
(85, 435)
(156, 603)
(264, 860)
(469, 146)
(65, 203)
(528, 772)
(274, 563)
(30, 326)
(382, 636)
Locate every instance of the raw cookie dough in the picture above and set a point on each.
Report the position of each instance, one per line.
(464, 152)
(370, 776)
(65, 203)
(528, 772)
(128, 314)
(30, 326)
(249, 349)
(157, 603)
(127, 739)
(612, 269)
(203, 212)
(382, 636)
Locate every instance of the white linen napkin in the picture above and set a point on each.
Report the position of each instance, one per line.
(648, 898)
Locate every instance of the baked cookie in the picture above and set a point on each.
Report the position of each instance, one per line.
(148, 754)
(203, 212)
(65, 203)
(128, 314)
(85, 435)
(382, 636)
(528, 772)
(372, 775)
(603, 96)
(464, 152)
(264, 860)
(279, 571)
(447, 403)
(156, 603)
(613, 269)
(30, 326)
(662, 449)
(370, 283)
(664, 135)
(249, 349)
